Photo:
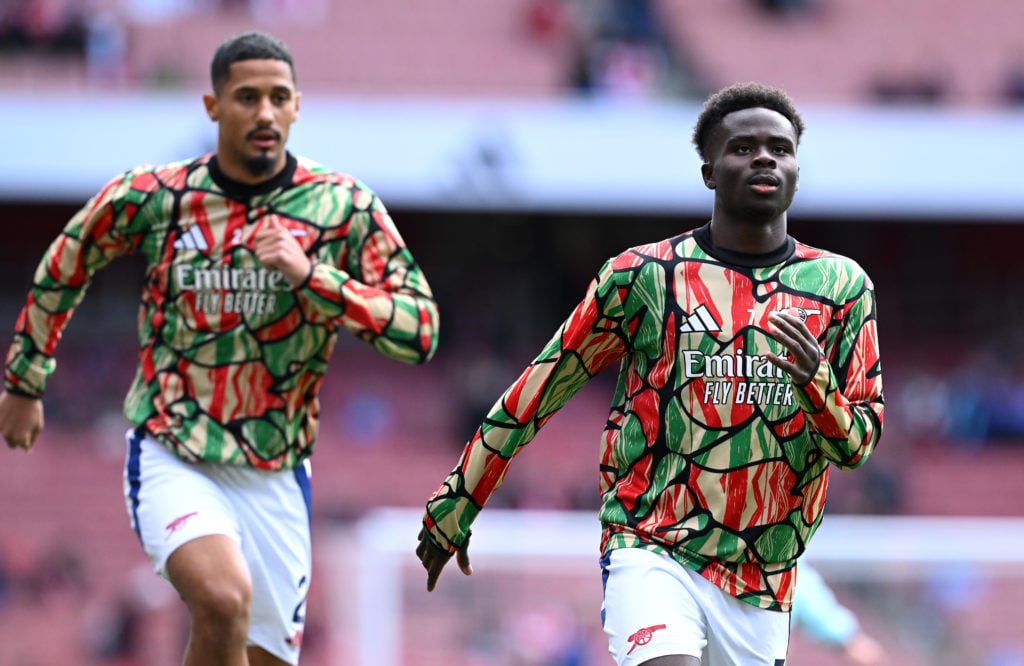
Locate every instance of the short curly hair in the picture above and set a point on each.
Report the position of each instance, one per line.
(737, 97)
(246, 46)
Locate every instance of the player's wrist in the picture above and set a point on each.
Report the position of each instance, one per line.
(307, 276)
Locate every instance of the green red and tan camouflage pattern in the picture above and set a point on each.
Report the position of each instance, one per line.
(231, 356)
(710, 453)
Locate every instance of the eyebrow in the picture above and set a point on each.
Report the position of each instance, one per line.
(274, 89)
(774, 138)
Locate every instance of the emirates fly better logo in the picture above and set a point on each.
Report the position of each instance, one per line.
(737, 378)
(226, 289)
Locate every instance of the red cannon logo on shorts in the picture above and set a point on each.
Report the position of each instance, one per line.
(643, 636)
(178, 523)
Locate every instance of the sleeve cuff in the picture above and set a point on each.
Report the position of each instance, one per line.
(14, 390)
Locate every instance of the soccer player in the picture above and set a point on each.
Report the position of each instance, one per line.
(748, 365)
(256, 260)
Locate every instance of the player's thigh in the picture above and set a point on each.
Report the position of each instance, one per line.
(171, 502)
(649, 611)
(210, 572)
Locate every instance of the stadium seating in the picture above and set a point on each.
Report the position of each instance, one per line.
(837, 52)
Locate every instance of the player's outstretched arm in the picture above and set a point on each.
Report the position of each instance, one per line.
(21, 420)
(434, 558)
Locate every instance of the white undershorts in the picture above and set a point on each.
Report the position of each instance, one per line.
(654, 606)
(267, 514)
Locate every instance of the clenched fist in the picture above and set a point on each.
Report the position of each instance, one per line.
(21, 420)
(276, 247)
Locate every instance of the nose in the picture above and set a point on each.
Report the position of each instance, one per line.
(763, 157)
(265, 112)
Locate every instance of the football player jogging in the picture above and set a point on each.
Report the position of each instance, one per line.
(255, 260)
(748, 366)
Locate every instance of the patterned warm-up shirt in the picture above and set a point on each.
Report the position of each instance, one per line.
(231, 356)
(710, 454)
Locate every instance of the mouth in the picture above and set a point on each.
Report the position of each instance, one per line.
(264, 139)
(764, 183)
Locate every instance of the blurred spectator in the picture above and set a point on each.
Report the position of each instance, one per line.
(106, 44)
(624, 54)
(1013, 91)
(156, 11)
(627, 69)
(919, 89)
(911, 77)
(973, 401)
(818, 614)
(60, 571)
(13, 33)
(787, 7)
(924, 399)
(293, 11)
(874, 490)
(546, 21)
(233, 6)
(42, 26)
(31, 574)
(5, 581)
(367, 419)
(479, 377)
(123, 635)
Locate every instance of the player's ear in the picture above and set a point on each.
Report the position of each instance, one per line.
(212, 110)
(707, 173)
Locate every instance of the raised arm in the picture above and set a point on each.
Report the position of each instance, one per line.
(378, 292)
(843, 401)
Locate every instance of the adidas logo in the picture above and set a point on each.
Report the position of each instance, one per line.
(700, 321)
(192, 239)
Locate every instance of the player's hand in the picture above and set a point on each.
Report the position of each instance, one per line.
(804, 350)
(434, 558)
(21, 420)
(276, 247)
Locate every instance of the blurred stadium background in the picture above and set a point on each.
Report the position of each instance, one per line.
(519, 143)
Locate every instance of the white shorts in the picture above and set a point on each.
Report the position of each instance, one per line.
(654, 606)
(267, 514)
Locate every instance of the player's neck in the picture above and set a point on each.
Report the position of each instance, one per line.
(239, 172)
(748, 237)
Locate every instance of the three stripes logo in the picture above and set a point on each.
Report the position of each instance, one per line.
(700, 321)
(192, 239)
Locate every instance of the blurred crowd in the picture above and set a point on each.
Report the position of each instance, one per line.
(632, 50)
